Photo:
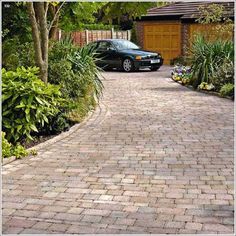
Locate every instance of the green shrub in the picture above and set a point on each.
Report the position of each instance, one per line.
(27, 103)
(83, 65)
(19, 151)
(227, 90)
(9, 150)
(224, 74)
(60, 73)
(180, 60)
(55, 125)
(6, 146)
(74, 70)
(60, 68)
(60, 50)
(16, 54)
(207, 57)
(82, 105)
(78, 76)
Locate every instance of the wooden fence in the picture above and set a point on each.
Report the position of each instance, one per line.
(82, 38)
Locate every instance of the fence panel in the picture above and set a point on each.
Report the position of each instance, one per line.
(82, 38)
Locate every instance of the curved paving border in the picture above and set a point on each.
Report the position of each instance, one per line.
(51, 141)
(155, 158)
(75, 128)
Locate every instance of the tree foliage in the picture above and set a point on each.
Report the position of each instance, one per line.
(43, 19)
(115, 10)
(215, 14)
(15, 22)
(75, 14)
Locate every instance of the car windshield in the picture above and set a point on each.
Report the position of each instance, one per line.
(124, 44)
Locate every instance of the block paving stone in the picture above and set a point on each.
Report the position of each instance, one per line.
(154, 157)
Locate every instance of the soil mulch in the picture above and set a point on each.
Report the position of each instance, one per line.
(38, 140)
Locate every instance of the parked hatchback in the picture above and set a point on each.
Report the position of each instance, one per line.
(123, 54)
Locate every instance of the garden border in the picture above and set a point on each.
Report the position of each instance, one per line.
(202, 91)
(53, 140)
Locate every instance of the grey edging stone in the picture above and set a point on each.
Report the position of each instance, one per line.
(51, 141)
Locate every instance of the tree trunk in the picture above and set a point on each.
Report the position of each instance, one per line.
(38, 18)
(54, 29)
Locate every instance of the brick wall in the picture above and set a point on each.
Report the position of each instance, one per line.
(140, 33)
(185, 35)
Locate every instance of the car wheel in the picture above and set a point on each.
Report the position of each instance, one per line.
(155, 68)
(128, 65)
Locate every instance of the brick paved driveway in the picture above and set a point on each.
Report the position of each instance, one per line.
(156, 157)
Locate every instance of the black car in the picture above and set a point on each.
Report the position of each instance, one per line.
(123, 54)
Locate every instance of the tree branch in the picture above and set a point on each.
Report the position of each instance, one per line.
(46, 4)
(55, 16)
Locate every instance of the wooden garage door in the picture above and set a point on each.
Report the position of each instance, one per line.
(164, 38)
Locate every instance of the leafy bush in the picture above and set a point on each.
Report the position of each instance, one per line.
(60, 68)
(9, 150)
(6, 146)
(82, 105)
(207, 57)
(227, 90)
(27, 103)
(15, 21)
(83, 65)
(181, 60)
(60, 50)
(16, 54)
(78, 76)
(55, 125)
(224, 74)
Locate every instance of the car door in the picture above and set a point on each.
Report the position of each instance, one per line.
(107, 54)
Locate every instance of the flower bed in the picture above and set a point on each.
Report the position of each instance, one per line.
(181, 74)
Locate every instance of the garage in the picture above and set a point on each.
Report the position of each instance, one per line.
(170, 29)
(163, 38)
